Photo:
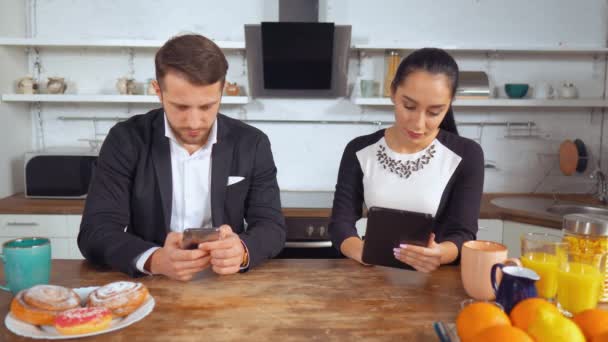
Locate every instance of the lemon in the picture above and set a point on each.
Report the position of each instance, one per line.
(551, 326)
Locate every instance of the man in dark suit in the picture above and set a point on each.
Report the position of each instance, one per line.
(183, 166)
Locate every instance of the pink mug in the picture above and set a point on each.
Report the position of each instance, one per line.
(476, 262)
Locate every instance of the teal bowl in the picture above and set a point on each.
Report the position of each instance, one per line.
(516, 90)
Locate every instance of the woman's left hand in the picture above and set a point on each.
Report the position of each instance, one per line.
(423, 259)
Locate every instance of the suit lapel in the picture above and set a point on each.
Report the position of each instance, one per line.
(161, 156)
(221, 159)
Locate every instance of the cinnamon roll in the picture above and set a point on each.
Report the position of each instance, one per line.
(40, 304)
(121, 297)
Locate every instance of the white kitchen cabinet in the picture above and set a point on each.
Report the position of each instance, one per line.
(512, 232)
(73, 227)
(33, 225)
(62, 230)
(490, 230)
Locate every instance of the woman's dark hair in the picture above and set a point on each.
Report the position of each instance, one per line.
(434, 61)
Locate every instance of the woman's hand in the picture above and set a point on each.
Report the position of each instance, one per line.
(423, 259)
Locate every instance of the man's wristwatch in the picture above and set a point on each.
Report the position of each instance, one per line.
(245, 262)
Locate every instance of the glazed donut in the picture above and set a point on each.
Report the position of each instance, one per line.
(121, 297)
(40, 304)
(83, 320)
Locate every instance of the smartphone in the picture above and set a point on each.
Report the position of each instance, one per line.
(194, 236)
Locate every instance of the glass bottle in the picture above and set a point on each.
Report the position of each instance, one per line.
(391, 62)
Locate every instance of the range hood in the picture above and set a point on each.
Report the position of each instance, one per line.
(297, 56)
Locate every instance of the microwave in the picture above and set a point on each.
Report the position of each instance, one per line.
(58, 174)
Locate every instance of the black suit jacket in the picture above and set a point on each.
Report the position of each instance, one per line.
(128, 207)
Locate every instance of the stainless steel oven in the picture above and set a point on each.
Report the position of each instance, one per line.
(308, 238)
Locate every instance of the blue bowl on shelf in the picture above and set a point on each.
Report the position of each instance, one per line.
(516, 90)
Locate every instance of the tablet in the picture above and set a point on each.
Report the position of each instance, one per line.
(388, 228)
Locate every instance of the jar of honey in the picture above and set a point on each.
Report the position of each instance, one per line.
(587, 237)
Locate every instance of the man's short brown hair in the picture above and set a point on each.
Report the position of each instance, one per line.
(194, 57)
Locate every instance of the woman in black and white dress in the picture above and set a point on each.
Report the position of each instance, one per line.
(418, 164)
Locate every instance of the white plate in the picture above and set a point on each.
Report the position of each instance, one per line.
(49, 332)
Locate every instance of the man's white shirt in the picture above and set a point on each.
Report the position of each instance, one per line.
(191, 177)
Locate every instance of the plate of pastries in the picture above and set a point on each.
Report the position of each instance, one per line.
(57, 312)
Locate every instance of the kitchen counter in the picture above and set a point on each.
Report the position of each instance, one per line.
(312, 204)
(18, 204)
(282, 300)
(492, 211)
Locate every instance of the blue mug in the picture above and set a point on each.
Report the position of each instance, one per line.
(516, 285)
(27, 262)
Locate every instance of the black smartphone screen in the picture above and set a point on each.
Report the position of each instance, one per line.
(194, 236)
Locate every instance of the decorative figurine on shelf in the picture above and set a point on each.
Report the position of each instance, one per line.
(568, 91)
(27, 85)
(126, 86)
(56, 85)
(232, 89)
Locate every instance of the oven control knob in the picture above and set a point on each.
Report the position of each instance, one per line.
(322, 231)
(310, 230)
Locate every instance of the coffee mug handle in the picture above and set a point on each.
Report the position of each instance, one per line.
(493, 276)
(5, 288)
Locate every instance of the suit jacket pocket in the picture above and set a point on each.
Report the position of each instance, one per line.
(234, 204)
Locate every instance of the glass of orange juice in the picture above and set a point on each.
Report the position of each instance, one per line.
(580, 282)
(541, 253)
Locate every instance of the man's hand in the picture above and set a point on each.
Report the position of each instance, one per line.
(177, 263)
(226, 253)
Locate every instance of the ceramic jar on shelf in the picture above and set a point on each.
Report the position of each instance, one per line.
(27, 85)
(568, 91)
(56, 85)
(232, 89)
(126, 86)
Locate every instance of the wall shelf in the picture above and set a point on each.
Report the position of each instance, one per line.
(112, 43)
(91, 98)
(501, 103)
(488, 49)
(238, 45)
(376, 101)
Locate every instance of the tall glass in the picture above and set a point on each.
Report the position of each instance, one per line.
(580, 281)
(541, 253)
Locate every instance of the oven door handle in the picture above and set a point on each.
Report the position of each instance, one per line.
(308, 244)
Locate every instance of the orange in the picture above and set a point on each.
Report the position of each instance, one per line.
(603, 337)
(525, 311)
(477, 317)
(592, 322)
(499, 333)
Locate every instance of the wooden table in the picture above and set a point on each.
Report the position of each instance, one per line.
(304, 300)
